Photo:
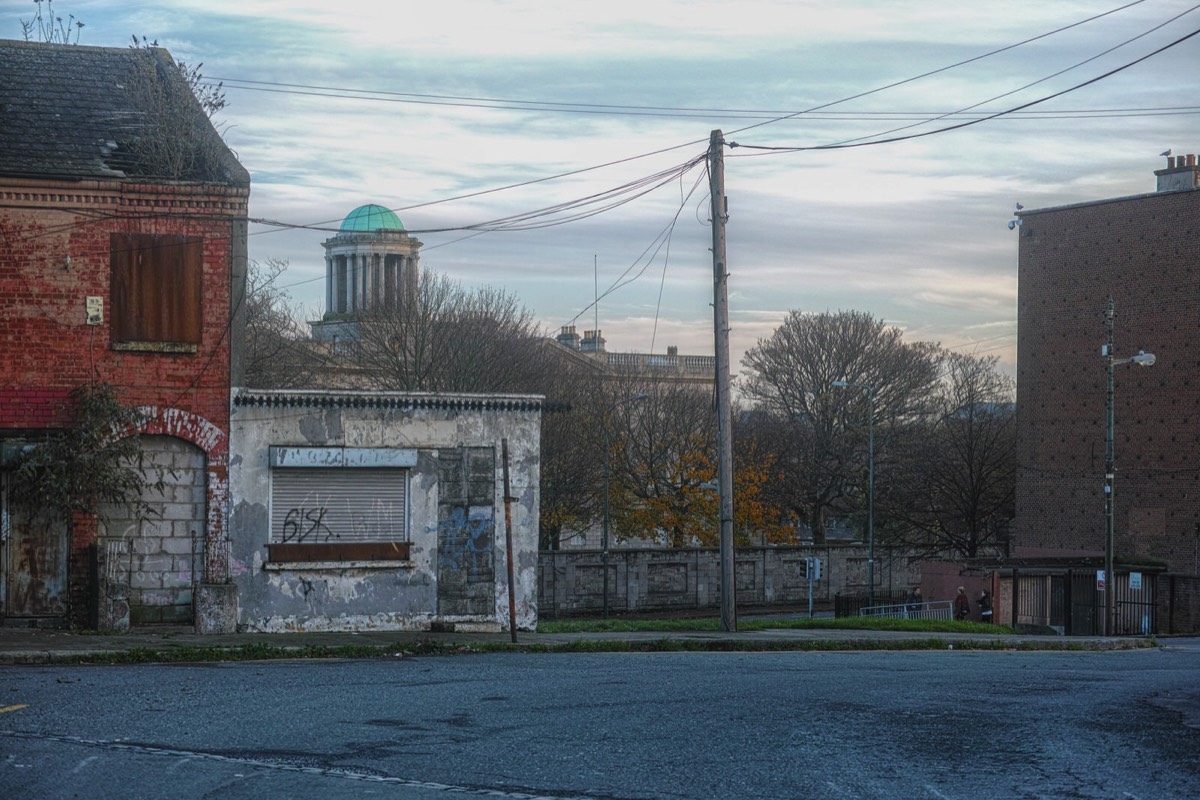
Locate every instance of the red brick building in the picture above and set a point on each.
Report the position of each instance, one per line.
(1143, 252)
(122, 260)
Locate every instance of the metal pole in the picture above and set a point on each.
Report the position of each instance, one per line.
(810, 568)
(508, 543)
(1109, 522)
(604, 527)
(716, 175)
(870, 495)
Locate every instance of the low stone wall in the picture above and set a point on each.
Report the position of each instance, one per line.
(572, 581)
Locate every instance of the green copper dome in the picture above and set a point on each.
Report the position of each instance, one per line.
(371, 218)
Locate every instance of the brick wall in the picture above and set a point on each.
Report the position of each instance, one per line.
(1144, 252)
(54, 254)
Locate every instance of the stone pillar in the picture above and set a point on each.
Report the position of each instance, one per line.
(215, 608)
(328, 283)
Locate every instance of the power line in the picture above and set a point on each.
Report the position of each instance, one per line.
(572, 107)
(940, 70)
(947, 129)
(1088, 60)
(544, 107)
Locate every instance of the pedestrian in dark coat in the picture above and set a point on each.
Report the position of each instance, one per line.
(985, 606)
(962, 605)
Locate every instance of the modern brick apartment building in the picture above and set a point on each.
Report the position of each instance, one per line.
(122, 259)
(1142, 253)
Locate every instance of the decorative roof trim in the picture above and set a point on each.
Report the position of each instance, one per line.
(388, 401)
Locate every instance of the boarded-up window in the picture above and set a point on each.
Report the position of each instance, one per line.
(156, 291)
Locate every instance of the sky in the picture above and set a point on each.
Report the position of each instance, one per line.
(426, 107)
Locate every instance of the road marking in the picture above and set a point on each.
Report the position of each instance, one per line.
(6, 709)
(84, 763)
(271, 765)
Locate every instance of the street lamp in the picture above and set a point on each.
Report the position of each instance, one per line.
(870, 390)
(607, 480)
(1142, 359)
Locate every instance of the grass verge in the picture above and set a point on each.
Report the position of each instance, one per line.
(193, 654)
(621, 625)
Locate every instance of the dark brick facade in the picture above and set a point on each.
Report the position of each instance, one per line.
(1144, 253)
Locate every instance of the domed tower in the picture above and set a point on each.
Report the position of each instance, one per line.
(371, 264)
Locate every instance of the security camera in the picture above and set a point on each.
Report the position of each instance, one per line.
(1012, 223)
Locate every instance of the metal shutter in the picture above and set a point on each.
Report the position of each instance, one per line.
(315, 506)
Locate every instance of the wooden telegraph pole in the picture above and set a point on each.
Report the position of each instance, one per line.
(716, 178)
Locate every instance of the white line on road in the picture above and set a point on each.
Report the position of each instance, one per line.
(270, 765)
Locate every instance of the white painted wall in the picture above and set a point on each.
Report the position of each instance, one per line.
(336, 596)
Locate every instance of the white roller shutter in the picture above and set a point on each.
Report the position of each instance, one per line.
(320, 506)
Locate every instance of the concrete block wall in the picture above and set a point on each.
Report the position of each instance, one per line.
(165, 551)
(1144, 252)
(572, 581)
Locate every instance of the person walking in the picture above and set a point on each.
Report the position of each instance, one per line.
(962, 604)
(913, 603)
(985, 606)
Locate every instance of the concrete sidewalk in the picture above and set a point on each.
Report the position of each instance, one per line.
(37, 646)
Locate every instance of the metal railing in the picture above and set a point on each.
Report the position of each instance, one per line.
(935, 609)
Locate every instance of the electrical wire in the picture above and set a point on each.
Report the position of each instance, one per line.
(947, 129)
(468, 101)
(1011, 92)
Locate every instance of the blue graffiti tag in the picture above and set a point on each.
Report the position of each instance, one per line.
(466, 540)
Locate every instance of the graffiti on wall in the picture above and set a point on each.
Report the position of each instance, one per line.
(466, 530)
(465, 541)
(306, 524)
(317, 518)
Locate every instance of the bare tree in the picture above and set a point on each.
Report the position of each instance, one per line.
(572, 467)
(820, 432)
(172, 134)
(661, 436)
(210, 96)
(953, 486)
(453, 339)
(276, 350)
(49, 27)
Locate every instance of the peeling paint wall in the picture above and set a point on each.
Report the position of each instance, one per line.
(392, 594)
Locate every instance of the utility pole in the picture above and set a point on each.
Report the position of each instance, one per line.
(1110, 584)
(716, 178)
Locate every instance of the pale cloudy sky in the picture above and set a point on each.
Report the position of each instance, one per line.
(914, 232)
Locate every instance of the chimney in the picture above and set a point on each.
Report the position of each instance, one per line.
(592, 342)
(1181, 173)
(568, 337)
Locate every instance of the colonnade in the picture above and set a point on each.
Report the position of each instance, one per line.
(357, 282)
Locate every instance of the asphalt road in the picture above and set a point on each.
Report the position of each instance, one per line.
(943, 724)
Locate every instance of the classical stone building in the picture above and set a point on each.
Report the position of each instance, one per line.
(669, 366)
(370, 264)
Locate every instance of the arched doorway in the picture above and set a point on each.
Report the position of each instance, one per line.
(154, 563)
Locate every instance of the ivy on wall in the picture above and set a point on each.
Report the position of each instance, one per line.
(97, 460)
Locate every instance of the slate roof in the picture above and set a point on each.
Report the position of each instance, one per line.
(71, 112)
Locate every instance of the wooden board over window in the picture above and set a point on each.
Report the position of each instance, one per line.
(156, 291)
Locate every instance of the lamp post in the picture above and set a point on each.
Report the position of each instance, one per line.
(604, 529)
(1142, 359)
(870, 390)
